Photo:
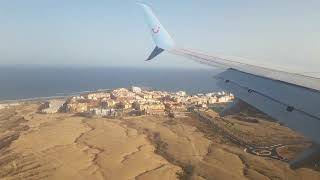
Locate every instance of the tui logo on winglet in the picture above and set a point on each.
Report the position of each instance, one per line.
(156, 30)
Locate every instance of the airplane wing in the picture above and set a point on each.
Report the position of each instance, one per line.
(292, 99)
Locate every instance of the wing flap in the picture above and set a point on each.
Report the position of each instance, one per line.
(253, 90)
(297, 97)
(276, 108)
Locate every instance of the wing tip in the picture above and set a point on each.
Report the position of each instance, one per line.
(143, 4)
(155, 53)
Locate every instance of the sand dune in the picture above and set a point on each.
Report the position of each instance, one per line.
(125, 154)
(64, 147)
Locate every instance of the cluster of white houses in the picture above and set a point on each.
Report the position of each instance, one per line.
(8, 105)
(136, 101)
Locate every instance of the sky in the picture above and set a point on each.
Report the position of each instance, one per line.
(281, 34)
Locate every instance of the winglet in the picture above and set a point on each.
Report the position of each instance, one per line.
(160, 36)
(155, 53)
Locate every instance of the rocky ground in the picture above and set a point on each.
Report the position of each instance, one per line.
(65, 146)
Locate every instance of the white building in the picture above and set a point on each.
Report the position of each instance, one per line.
(210, 94)
(136, 89)
(103, 112)
(212, 100)
(53, 106)
(224, 99)
(181, 93)
(98, 95)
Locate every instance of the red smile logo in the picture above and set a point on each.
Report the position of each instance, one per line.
(156, 30)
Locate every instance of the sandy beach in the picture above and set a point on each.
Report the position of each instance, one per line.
(66, 146)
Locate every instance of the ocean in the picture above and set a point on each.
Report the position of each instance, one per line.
(32, 82)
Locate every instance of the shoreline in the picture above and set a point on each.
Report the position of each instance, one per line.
(50, 97)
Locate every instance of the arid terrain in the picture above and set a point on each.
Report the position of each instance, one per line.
(67, 146)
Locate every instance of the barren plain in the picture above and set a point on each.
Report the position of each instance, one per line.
(67, 146)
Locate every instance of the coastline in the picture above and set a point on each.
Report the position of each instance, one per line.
(67, 95)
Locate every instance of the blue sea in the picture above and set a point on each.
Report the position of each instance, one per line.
(31, 82)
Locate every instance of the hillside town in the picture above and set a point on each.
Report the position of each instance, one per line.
(134, 102)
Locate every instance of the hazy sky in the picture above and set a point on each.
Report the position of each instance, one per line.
(280, 33)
